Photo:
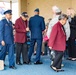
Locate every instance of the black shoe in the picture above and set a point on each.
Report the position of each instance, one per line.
(57, 70)
(69, 58)
(26, 62)
(12, 67)
(19, 63)
(60, 70)
(38, 62)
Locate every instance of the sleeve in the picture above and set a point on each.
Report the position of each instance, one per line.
(67, 30)
(43, 24)
(17, 27)
(1, 31)
(53, 36)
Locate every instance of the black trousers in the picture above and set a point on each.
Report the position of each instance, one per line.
(71, 48)
(58, 59)
(21, 48)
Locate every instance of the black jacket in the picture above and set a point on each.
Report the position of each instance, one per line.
(73, 27)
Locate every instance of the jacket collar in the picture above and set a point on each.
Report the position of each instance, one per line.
(36, 15)
(7, 20)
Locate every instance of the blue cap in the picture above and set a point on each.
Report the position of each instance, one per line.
(36, 10)
(8, 12)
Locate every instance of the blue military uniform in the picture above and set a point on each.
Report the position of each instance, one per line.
(36, 25)
(6, 35)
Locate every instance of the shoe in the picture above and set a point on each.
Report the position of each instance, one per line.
(73, 59)
(38, 62)
(12, 67)
(57, 70)
(53, 68)
(26, 62)
(19, 63)
(60, 70)
(69, 58)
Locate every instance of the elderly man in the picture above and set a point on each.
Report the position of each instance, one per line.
(37, 26)
(7, 39)
(21, 38)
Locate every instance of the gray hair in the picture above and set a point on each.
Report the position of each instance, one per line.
(62, 16)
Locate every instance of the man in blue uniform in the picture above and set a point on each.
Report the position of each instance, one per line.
(7, 39)
(37, 27)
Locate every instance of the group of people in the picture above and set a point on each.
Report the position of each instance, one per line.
(61, 31)
(7, 39)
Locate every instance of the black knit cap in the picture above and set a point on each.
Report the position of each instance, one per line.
(24, 14)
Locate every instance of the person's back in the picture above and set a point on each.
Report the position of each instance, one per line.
(36, 25)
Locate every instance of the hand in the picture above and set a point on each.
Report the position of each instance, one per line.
(3, 43)
(50, 48)
(27, 29)
(45, 30)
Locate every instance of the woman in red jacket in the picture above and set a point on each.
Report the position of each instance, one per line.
(57, 42)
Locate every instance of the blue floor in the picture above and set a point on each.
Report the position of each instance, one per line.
(44, 69)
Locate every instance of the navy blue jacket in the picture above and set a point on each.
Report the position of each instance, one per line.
(6, 31)
(36, 25)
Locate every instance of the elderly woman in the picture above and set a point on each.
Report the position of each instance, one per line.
(57, 42)
(71, 41)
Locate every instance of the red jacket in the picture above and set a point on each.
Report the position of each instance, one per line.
(20, 27)
(57, 38)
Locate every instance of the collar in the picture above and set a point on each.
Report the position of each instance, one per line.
(7, 20)
(36, 15)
